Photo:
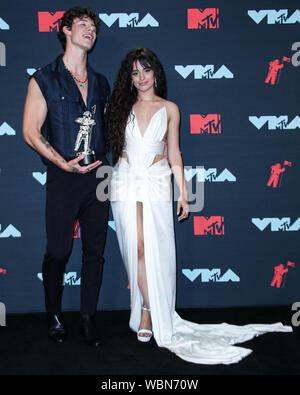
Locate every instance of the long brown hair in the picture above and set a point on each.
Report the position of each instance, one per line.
(124, 95)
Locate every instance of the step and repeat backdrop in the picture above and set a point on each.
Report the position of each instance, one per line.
(233, 69)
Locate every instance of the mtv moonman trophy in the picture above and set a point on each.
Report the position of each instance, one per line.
(84, 134)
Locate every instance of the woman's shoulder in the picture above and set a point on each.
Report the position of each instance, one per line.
(171, 107)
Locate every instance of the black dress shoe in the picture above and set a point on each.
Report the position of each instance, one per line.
(56, 330)
(87, 330)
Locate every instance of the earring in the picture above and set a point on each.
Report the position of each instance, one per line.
(155, 82)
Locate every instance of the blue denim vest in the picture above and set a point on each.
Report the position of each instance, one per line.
(65, 104)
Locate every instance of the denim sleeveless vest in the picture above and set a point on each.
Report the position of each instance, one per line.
(65, 104)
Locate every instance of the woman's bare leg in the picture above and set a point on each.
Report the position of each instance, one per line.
(142, 277)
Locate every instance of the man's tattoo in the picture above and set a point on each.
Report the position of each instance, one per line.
(47, 145)
(74, 170)
(44, 141)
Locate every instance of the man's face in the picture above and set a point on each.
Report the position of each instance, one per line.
(83, 33)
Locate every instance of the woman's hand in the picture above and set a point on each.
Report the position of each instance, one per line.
(183, 206)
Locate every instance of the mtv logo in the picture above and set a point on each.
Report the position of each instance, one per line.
(6, 129)
(40, 177)
(3, 25)
(10, 231)
(2, 314)
(213, 225)
(207, 18)
(49, 21)
(211, 175)
(76, 230)
(210, 123)
(71, 279)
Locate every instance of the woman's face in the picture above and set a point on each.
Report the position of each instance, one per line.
(142, 77)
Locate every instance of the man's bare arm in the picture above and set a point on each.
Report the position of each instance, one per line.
(35, 112)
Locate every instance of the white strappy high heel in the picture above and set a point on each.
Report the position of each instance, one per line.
(144, 339)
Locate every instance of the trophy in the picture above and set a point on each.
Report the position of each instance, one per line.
(84, 135)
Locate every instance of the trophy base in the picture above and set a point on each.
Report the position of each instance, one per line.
(88, 159)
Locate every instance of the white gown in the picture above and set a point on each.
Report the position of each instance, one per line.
(140, 180)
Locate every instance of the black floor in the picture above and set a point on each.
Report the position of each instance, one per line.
(26, 350)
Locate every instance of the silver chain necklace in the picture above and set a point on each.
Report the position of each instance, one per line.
(81, 83)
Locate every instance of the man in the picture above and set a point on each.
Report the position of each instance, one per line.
(59, 94)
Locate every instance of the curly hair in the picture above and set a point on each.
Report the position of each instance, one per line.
(70, 15)
(124, 95)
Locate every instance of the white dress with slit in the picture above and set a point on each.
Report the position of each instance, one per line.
(140, 180)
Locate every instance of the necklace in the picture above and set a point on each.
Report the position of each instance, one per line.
(81, 83)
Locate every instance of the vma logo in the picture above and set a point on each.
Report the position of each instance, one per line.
(6, 129)
(10, 231)
(30, 71)
(277, 224)
(207, 72)
(208, 18)
(40, 177)
(131, 20)
(112, 225)
(49, 21)
(273, 16)
(275, 123)
(210, 175)
(213, 275)
(3, 25)
(209, 124)
(209, 226)
(70, 278)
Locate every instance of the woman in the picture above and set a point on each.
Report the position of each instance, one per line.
(140, 121)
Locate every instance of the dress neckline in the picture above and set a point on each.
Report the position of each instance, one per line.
(137, 122)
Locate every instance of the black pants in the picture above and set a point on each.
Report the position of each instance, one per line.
(69, 197)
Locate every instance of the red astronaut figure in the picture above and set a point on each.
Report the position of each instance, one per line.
(279, 271)
(274, 67)
(276, 170)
